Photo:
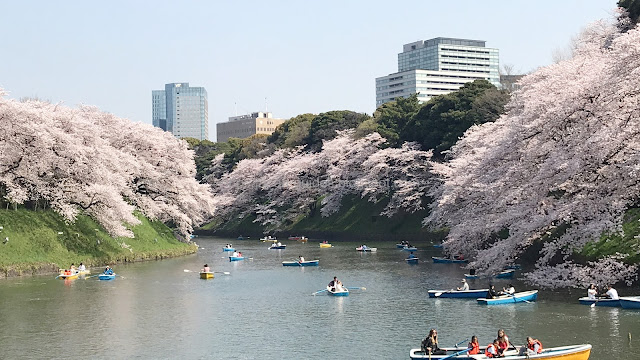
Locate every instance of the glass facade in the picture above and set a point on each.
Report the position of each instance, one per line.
(438, 66)
(186, 110)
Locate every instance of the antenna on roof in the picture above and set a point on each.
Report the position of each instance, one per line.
(266, 108)
(236, 106)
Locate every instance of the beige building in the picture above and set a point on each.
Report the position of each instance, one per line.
(246, 125)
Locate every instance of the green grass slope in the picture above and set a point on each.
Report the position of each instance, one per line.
(42, 242)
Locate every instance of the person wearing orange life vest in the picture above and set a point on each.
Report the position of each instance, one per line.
(533, 346)
(492, 350)
(474, 345)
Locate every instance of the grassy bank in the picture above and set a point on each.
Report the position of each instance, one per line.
(358, 219)
(626, 243)
(42, 242)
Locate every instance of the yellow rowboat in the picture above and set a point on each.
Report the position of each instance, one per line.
(573, 352)
(206, 275)
(72, 276)
(323, 245)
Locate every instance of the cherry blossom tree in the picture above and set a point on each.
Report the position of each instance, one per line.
(559, 169)
(84, 160)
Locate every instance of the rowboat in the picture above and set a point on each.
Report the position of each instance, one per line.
(525, 296)
(303, 263)
(572, 352)
(630, 302)
(277, 247)
(107, 276)
(442, 260)
(206, 275)
(71, 276)
(228, 249)
(438, 246)
(470, 294)
(366, 248)
(600, 302)
(343, 292)
(325, 245)
(298, 238)
(507, 274)
(240, 237)
(413, 248)
(236, 258)
(514, 267)
(269, 238)
(411, 260)
(400, 246)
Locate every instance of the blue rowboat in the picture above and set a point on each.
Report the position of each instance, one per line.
(514, 267)
(277, 247)
(304, 263)
(106, 276)
(507, 274)
(413, 248)
(469, 294)
(600, 302)
(236, 258)
(630, 302)
(411, 260)
(343, 292)
(524, 296)
(400, 246)
(469, 276)
(447, 261)
(228, 249)
(438, 246)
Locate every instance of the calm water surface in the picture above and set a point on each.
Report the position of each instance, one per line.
(266, 311)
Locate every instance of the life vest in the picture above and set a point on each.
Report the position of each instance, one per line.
(487, 353)
(67, 272)
(503, 344)
(532, 346)
(475, 348)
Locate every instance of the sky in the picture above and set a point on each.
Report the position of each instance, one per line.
(290, 57)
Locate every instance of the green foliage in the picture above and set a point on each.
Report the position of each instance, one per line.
(624, 243)
(633, 8)
(325, 125)
(292, 132)
(205, 151)
(443, 119)
(390, 119)
(35, 241)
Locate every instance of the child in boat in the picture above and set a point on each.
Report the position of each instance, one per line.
(492, 350)
(503, 342)
(205, 268)
(533, 347)
(474, 345)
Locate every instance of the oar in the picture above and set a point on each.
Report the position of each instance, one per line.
(456, 354)
(440, 293)
(215, 272)
(89, 277)
(356, 288)
(594, 304)
(456, 345)
(516, 300)
(319, 291)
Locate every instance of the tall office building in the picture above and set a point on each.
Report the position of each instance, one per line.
(244, 126)
(438, 66)
(181, 110)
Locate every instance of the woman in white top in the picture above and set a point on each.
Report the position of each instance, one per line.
(592, 292)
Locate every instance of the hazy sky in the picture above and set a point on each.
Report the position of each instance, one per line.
(302, 56)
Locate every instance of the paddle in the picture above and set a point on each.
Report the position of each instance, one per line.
(456, 345)
(356, 288)
(594, 304)
(440, 293)
(319, 291)
(89, 277)
(515, 300)
(456, 354)
(215, 272)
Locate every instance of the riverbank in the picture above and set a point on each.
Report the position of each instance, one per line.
(357, 220)
(41, 242)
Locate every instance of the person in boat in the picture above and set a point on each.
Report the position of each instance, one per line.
(492, 350)
(300, 259)
(592, 292)
(363, 247)
(503, 342)
(430, 344)
(81, 267)
(492, 294)
(325, 242)
(411, 256)
(206, 268)
(474, 345)
(108, 270)
(465, 286)
(279, 243)
(73, 268)
(239, 253)
(611, 293)
(533, 347)
(234, 254)
(509, 290)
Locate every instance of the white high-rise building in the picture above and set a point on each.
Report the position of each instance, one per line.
(181, 110)
(438, 66)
